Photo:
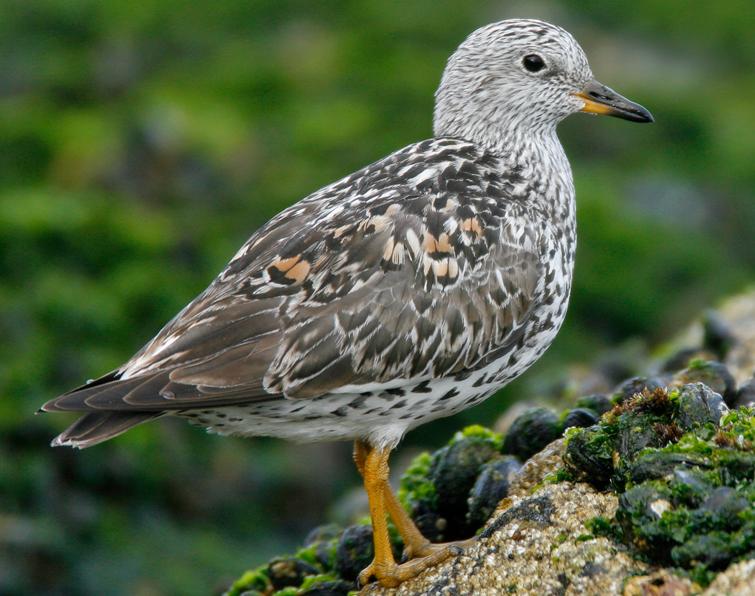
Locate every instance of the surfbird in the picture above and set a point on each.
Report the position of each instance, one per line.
(409, 290)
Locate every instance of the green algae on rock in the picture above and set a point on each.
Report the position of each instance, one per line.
(684, 468)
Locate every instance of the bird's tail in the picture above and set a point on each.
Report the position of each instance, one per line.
(96, 427)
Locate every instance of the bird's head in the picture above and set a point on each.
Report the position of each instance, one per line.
(524, 75)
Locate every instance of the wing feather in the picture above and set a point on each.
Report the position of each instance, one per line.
(373, 279)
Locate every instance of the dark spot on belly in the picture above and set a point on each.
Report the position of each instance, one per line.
(357, 402)
(449, 394)
(423, 387)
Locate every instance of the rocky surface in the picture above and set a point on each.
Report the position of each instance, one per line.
(650, 490)
(535, 545)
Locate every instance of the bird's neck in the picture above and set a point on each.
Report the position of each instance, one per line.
(535, 153)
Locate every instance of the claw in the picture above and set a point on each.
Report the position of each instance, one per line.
(390, 576)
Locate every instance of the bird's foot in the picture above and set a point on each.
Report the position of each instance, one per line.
(427, 548)
(391, 575)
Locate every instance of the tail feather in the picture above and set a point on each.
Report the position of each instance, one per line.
(96, 427)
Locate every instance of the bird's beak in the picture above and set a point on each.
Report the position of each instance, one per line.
(600, 99)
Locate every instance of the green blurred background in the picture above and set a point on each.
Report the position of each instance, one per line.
(142, 142)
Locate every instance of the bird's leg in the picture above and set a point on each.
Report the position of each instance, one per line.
(361, 449)
(373, 466)
(374, 470)
(416, 546)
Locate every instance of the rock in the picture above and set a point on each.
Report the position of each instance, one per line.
(746, 394)
(678, 469)
(288, 571)
(659, 583)
(354, 552)
(739, 314)
(713, 374)
(504, 422)
(532, 431)
(659, 464)
(593, 453)
(725, 505)
(737, 580)
(532, 546)
(324, 541)
(580, 417)
(328, 588)
(686, 502)
(698, 404)
(322, 533)
(491, 486)
(639, 513)
(535, 469)
(713, 550)
(718, 336)
(634, 386)
(452, 472)
(682, 357)
(589, 456)
(693, 483)
(598, 403)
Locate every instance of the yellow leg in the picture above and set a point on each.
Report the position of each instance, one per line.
(375, 473)
(415, 544)
(373, 466)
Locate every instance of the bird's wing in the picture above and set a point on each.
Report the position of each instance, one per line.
(416, 267)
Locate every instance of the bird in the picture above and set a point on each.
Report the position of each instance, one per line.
(410, 290)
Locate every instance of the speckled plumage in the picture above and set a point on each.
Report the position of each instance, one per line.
(407, 291)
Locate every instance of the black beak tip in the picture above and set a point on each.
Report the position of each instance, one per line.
(643, 115)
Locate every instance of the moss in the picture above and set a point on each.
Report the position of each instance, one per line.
(415, 485)
(476, 431)
(313, 580)
(309, 554)
(697, 364)
(683, 467)
(685, 504)
(685, 486)
(589, 453)
(739, 425)
(255, 580)
(601, 526)
(560, 475)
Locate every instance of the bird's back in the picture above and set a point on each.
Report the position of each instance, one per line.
(406, 291)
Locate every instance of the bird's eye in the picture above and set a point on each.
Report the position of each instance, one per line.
(533, 62)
